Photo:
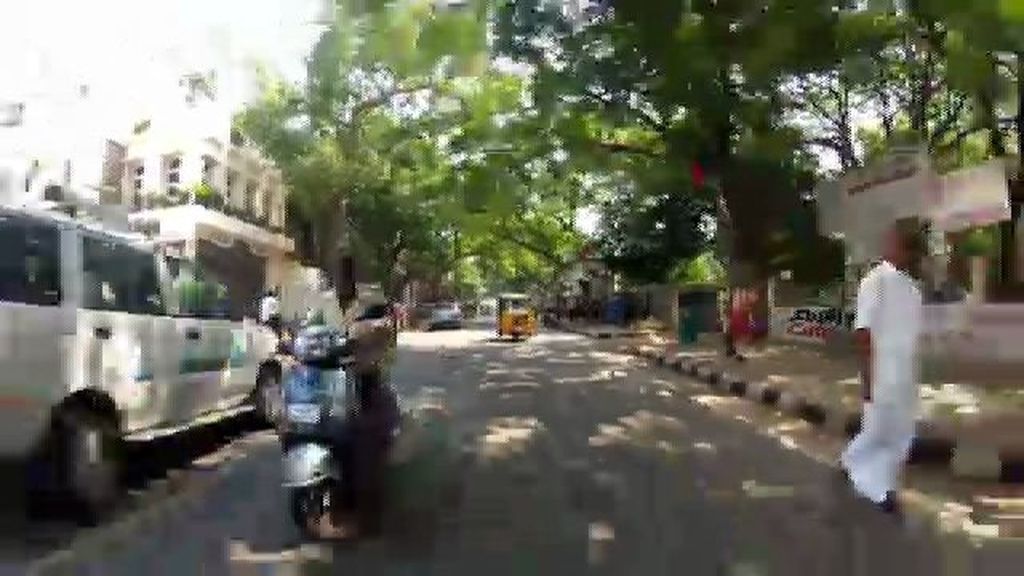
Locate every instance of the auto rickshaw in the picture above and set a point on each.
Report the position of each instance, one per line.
(516, 318)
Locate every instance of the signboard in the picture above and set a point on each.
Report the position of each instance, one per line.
(975, 196)
(809, 323)
(902, 185)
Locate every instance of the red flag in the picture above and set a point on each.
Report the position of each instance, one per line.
(697, 175)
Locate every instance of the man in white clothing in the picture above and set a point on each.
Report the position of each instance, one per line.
(270, 311)
(887, 328)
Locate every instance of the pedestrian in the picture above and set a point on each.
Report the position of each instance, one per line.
(270, 311)
(739, 325)
(886, 331)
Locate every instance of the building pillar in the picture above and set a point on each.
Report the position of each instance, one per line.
(191, 171)
(152, 178)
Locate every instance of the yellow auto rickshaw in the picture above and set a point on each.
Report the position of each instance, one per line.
(516, 318)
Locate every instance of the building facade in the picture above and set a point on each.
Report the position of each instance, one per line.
(974, 300)
(194, 185)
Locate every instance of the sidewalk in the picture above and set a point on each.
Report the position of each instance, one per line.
(598, 330)
(975, 430)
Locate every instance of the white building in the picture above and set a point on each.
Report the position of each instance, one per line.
(55, 145)
(194, 184)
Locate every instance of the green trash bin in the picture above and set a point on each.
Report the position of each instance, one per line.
(687, 326)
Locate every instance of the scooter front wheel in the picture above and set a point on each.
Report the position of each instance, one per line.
(308, 507)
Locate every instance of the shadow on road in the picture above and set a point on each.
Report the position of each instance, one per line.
(553, 456)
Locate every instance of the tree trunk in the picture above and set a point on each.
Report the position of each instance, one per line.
(724, 232)
(884, 98)
(922, 97)
(457, 268)
(990, 118)
(1020, 113)
(847, 156)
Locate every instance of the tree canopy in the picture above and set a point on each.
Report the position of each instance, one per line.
(461, 142)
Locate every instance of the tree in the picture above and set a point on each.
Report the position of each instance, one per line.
(647, 237)
(404, 128)
(657, 113)
(409, 126)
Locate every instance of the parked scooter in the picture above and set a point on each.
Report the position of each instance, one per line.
(324, 431)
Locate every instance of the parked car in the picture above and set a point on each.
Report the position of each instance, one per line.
(105, 340)
(445, 316)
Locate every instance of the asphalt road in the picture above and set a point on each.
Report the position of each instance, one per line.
(569, 460)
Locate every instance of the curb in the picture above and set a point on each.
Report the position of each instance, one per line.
(1002, 520)
(963, 458)
(597, 335)
(163, 500)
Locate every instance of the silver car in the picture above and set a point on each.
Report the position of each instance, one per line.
(445, 316)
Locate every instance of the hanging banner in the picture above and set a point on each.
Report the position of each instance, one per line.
(902, 185)
(976, 196)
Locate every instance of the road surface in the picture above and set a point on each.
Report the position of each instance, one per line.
(569, 460)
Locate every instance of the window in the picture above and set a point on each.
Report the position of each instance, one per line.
(196, 295)
(250, 198)
(376, 312)
(209, 164)
(268, 205)
(29, 262)
(119, 277)
(138, 180)
(174, 170)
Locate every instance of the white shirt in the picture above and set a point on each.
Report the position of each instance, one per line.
(889, 305)
(268, 307)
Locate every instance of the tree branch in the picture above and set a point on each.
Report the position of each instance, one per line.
(959, 137)
(807, 100)
(645, 117)
(518, 240)
(952, 116)
(381, 99)
(616, 147)
(831, 143)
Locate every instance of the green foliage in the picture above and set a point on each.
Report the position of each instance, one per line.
(200, 298)
(981, 241)
(428, 148)
(646, 238)
(207, 196)
(456, 169)
(745, 88)
(704, 269)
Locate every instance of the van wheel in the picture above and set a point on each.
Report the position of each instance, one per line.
(268, 398)
(88, 462)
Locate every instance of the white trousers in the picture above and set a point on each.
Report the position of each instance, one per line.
(875, 457)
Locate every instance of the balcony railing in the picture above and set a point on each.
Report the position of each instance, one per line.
(214, 201)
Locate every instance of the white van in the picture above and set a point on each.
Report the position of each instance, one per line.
(98, 346)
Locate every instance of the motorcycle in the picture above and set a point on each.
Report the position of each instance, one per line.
(323, 410)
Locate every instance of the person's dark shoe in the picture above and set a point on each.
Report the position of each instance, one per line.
(844, 475)
(891, 505)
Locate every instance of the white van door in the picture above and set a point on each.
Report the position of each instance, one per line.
(205, 339)
(121, 305)
(32, 328)
(242, 365)
(204, 368)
